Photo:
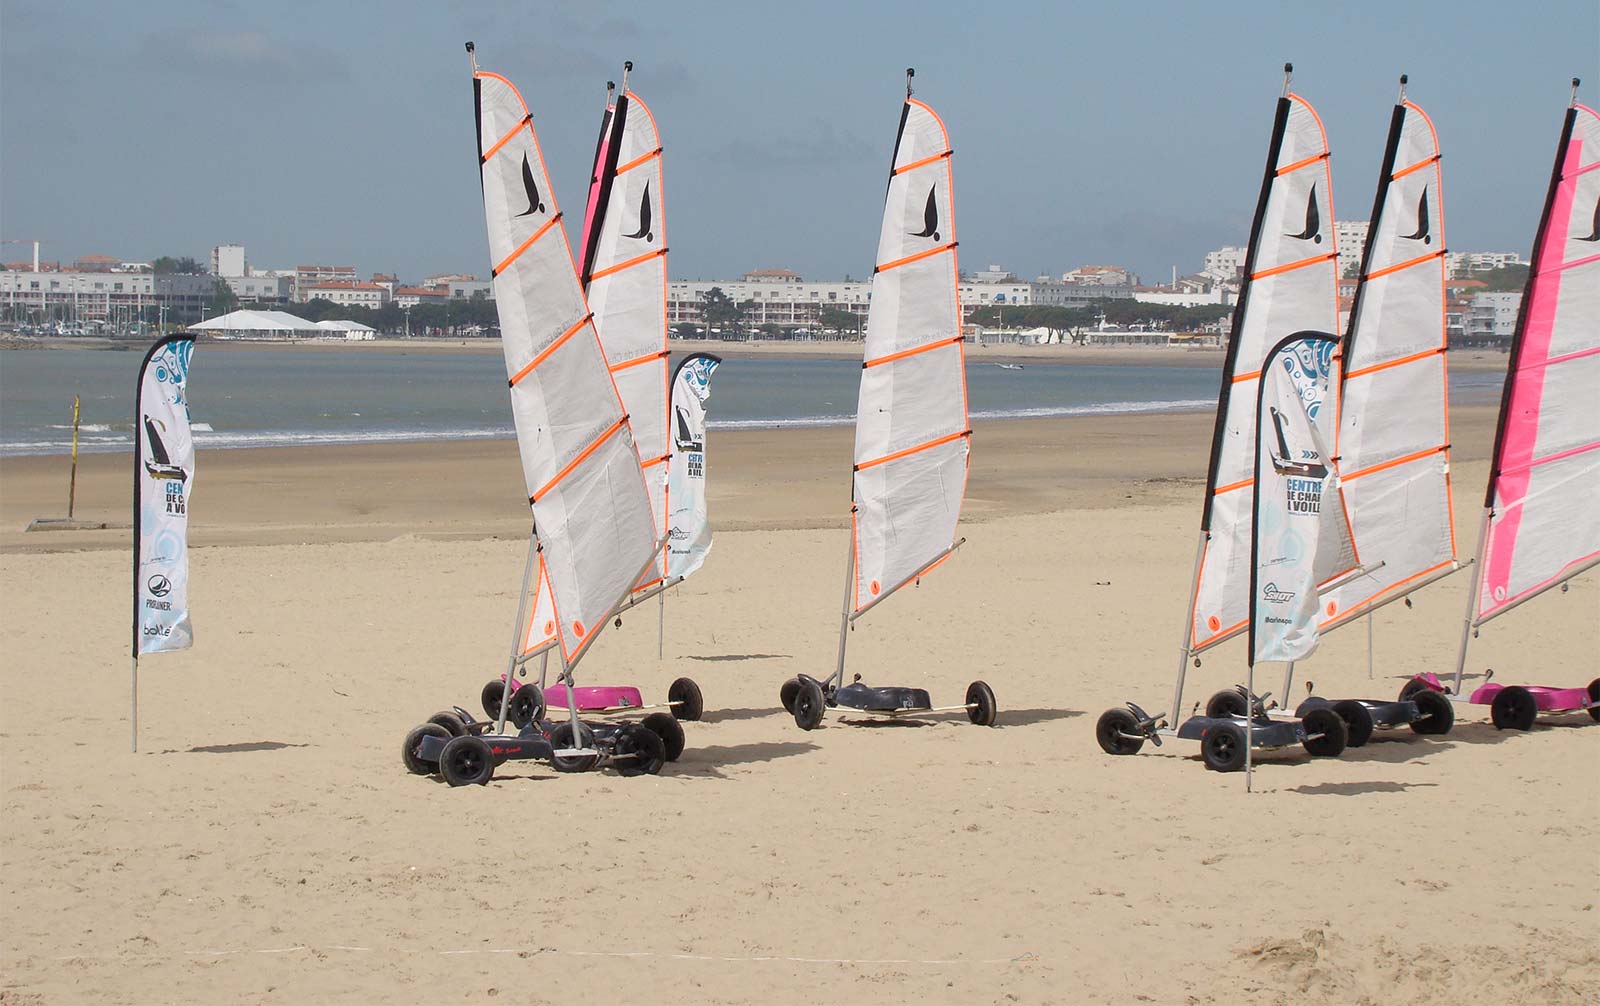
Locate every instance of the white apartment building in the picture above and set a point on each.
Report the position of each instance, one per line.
(228, 261)
(346, 292)
(101, 296)
(1351, 236)
(307, 276)
(777, 301)
(466, 289)
(1100, 275)
(1461, 265)
(411, 296)
(260, 289)
(1492, 317)
(1051, 293)
(1225, 264)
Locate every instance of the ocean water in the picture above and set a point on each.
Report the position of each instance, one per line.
(286, 397)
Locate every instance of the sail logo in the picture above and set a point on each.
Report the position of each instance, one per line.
(530, 188)
(644, 218)
(930, 217)
(1313, 228)
(1272, 595)
(159, 464)
(1421, 233)
(1303, 496)
(1594, 228)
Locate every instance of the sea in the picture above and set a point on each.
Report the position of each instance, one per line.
(288, 397)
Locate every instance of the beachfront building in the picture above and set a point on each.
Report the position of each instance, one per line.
(1045, 292)
(347, 293)
(75, 298)
(1460, 265)
(1225, 265)
(228, 261)
(1351, 236)
(1100, 275)
(1492, 318)
(411, 296)
(468, 288)
(308, 276)
(260, 289)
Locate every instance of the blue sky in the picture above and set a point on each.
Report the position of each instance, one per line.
(1084, 133)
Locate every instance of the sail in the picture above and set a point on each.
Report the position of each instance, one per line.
(591, 205)
(163, 480)
(1290, 285)
(1545, 525)
(1301, 538)
(1393, 446)
(689, 526)
(912, 435)
(625, 273)
(590, 507)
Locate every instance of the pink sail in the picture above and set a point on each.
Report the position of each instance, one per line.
(1544, 523)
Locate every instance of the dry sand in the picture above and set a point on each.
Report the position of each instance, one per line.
(265, 845)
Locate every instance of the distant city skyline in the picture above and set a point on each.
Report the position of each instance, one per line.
(342, 134)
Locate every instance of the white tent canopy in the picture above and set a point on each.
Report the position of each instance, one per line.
(267, 322)
(334, 325)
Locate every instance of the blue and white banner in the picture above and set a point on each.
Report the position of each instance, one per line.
(162, 483)
(688, 526)
(1302, 537)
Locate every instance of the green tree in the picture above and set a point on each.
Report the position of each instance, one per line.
(184, 266)
(1511, 278)
(719, 310)
(839, 319)
(222, 300)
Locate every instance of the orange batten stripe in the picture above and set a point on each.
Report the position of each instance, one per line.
(1231, 486)
(1413, 358)
(638, 161)
(913, 351)
(545, 354)
(608, 270)
(655, 461)
(926, 160)
(1241, 378)
(1417, 456)
(1415, 167)
(1297, 165)
(506, 138)
(912, 450)
(897, 263)
(1406, 264)
(1275, 270)
(638, 361)
(524, 246)
(610, 432)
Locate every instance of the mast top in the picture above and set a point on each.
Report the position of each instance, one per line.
(472, 54)
(627, 68)
(911, 71)
(1288, 75)
(1575, 83)
(1404, 79)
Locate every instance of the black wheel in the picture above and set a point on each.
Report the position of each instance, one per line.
(687, 704)
(1118, 732)
(1357, 722)
(1414, 686)
(466, 761)
(1223, 747)
(526, 706)
(787, 694)
(1228, 702)
(666, 727)
(450, 721)
(563, 737)
(638, 751)
(808, 705)
(1513, 709)
(981, 706)
(1594, 696)
(490, 698)
(1326, 735)
(410, 751)
(1436, 712)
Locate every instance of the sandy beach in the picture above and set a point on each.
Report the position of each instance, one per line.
(266, 846)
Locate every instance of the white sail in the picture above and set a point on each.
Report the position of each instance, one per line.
(1544, 486)
(590, 507)
(1301, 534)
(912, 432)
(1393, 445)
(625, 274)
(1291, 285)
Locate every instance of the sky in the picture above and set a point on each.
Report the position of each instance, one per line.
(1084, 133)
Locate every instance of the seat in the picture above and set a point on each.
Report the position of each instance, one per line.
(882, 700)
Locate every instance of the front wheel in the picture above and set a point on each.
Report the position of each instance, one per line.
(1326, 735)
(1435, 714)
(1513, 708)
(466, 761)
(687, 703)
(565, 737)
(491, 697)
(1228, 702)
(787, 694)
(638, 751)
(527, 705)
(1118, 732)
(411, 749)
(1594, 700)
(666, 727)
(808, 705)
(981, 706)
(1357, 721)
(1223, 747)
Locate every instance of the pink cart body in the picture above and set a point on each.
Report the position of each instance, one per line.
(592, 697)
(1545, 698)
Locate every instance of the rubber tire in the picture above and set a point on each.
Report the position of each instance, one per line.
(787, 693)
(1513, 708)
(466, 761)
(809, 705)
(1331, 726)
(1357, 722)
(666, 727)
(1594, 696)
(1414, 686)
(415, 764)
(1109, 730)
(489, 698)
(1439, 709)
(646, 747)
(562, 737)
(981, 695)
(1223, 747)
(688, 704)
(1227, 702)
(526, 706)
(450, 721)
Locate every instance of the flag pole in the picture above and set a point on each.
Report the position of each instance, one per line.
(133, 705)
